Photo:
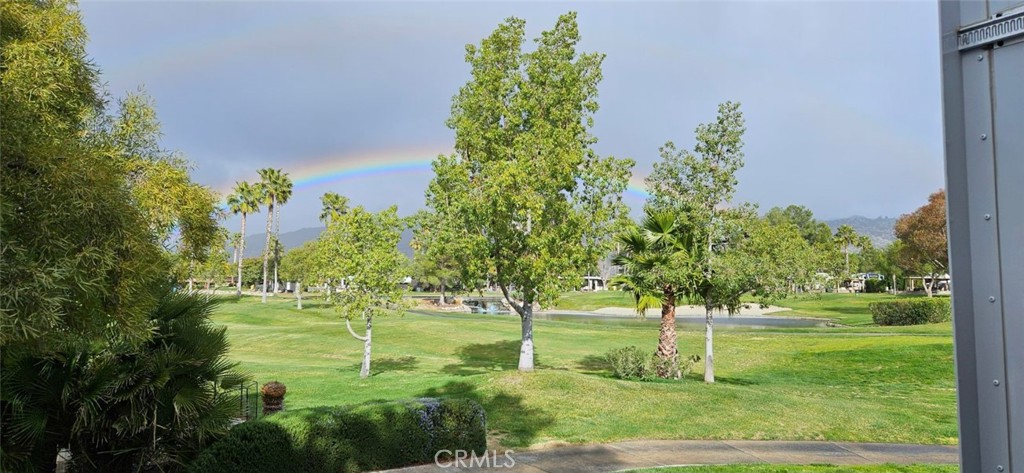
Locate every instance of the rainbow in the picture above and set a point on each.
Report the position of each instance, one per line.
(334, 169)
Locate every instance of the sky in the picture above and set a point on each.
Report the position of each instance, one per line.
(841, 99)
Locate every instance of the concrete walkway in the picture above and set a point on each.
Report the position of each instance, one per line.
(654, 453)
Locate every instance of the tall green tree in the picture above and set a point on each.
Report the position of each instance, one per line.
(810, 228)
(524, 186)
(180, 212)
(244, 200)
(658, 261)
(78, 257)
(361, 249)
(436, 245)
(284, 193)
(273, 183)
(890, 263)
(698, 187)
(91, 212)
(215, 266)
(298, 266)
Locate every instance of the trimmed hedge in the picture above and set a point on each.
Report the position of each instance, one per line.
(911, 312)
(372, 436)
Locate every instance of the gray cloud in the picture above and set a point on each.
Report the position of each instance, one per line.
(842, 98)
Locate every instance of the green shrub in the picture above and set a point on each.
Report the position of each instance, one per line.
(632, 363)
(875, 286)
(368, 436)
(252, 446)
(911, 312)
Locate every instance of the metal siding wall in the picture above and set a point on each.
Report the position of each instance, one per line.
(1008, 91)
(983, 106)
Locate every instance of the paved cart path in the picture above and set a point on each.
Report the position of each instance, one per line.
(654, 453)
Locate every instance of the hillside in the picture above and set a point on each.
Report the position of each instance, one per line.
(880, 229)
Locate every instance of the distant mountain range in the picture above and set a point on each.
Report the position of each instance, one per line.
(879, 230)
(254, 243)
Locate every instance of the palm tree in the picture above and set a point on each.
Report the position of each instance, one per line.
(244, 200)
(269, 185)
(121, 406)
(657, 263)
(284, 192)
(334, 205)
(846, 236)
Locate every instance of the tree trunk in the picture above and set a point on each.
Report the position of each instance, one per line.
(277, 252)
(298, 294)
(526, 350)
(241, 256)
(893, 284)
(928, 286)
(846, 252)
(709, 351)
(668, 349)
(364, 369)
(443, 299)
(266, 249)
(277, 284)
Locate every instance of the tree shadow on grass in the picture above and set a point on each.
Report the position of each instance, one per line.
(510, 422)
(730, 380)
(480, 358)
(594, 364)
(387, 363)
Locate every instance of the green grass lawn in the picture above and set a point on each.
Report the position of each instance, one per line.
(757, 468)
(811, 384)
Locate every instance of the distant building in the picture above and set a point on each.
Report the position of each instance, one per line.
(593, 283)
(941, 283)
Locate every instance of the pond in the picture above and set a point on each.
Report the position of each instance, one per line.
(721, 320)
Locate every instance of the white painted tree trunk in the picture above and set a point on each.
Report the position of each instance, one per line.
(298, 294)
(277, 254)
(364, 369)
(241, 256)
(526, 350)
(709, 349)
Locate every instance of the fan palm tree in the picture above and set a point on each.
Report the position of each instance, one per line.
(284, 192)
(846, 236)
(244, 200)
(334, 205)
(270, 185)
(658, 268)
(122, 407)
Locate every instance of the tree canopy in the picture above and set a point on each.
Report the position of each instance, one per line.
(923, 234)
(524, 186)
